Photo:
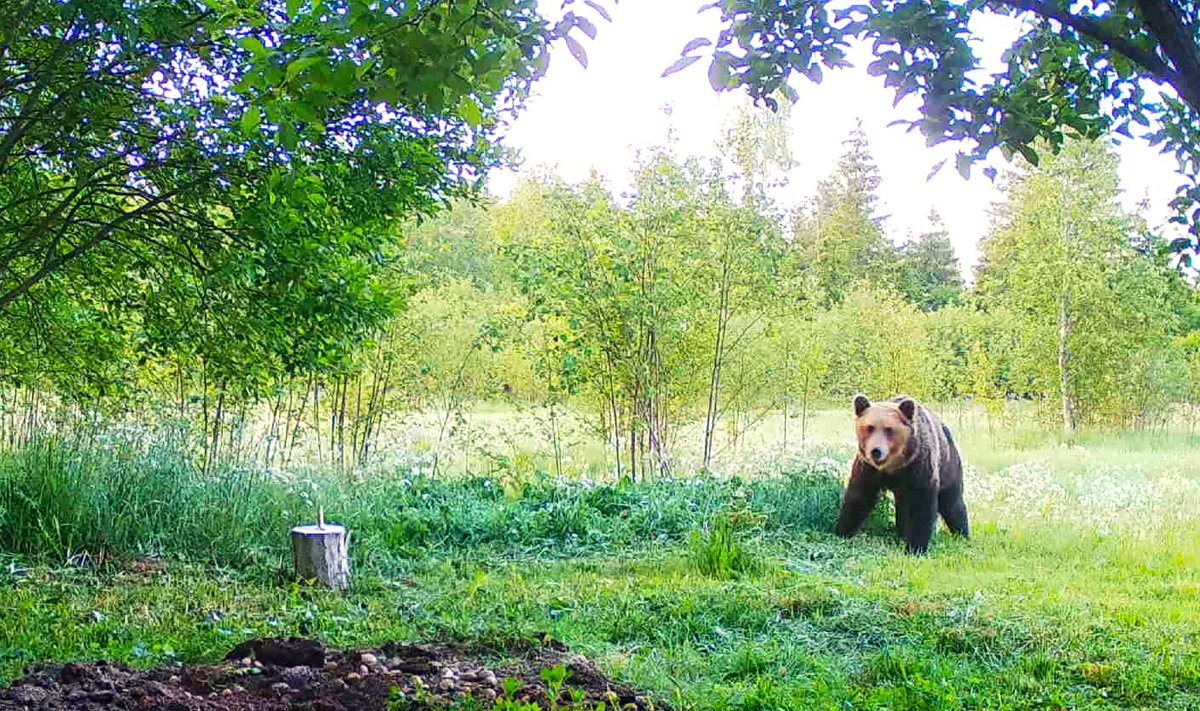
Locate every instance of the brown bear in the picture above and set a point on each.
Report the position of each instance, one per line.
(904, 448)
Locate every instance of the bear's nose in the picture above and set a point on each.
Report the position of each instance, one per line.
(877, 454)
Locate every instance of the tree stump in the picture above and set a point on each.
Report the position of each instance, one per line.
(320, 554)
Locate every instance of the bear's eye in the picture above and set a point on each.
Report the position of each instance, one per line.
(870, 429)
(887, 431)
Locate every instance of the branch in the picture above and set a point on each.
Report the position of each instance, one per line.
(102, 234)
(1178, 42)
(1089, 27)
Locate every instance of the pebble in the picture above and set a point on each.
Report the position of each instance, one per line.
(353, 676)
(488, 694)
(469, 676)
(227, 692)
(489, 678)
(395, 662)
(331, 666)
(369, 658)
(173, 679)
(257, 664)
(362, 669)
(297, 677)
(29, 695)
(446, 684)
(247, 661)
(280, 687)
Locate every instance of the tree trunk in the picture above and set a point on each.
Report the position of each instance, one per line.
(714, 383)
(1064, 361)
(320, 555)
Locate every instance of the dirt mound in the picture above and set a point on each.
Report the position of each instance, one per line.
(301, 675)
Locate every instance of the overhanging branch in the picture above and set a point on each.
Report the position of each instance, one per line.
(1091, 28)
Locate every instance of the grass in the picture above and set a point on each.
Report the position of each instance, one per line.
(1078, 591)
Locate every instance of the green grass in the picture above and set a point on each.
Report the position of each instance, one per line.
(1079, 590)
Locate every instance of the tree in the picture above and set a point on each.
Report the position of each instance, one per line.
(1088, 67)
(927, 270)
(740, 244)
(840, 239)
(177, 168)
(1062, 259)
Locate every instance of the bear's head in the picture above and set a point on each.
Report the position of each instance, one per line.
(884, 430)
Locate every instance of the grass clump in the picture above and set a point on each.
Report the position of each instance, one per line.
(718, 553)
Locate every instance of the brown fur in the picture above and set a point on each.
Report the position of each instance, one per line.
(904, 448)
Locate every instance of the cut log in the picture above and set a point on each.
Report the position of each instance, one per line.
(320, 553)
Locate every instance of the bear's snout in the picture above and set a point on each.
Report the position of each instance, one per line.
(877, 454)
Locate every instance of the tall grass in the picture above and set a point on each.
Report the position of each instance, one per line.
(62, 501)
(70, 502)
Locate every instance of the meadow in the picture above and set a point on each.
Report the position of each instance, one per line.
(725, 590)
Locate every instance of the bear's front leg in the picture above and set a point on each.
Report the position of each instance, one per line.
(862, 493)
(920, 516)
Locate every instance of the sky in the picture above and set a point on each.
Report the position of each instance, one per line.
(597, 118)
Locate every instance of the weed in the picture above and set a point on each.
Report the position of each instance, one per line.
(718, 553)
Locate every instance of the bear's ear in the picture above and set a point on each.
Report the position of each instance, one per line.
(908, 408)
(860, 403)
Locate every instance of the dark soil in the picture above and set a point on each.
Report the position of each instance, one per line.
(301, 675)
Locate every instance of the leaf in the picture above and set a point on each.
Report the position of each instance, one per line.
(250, 120)
(299, 64)
(293, 7)
(879, 66)
(680, 65)
(586, 25)
(540, 64)
(963, 163)
(1029, 154)
(936, 169)
(470, 112)
(254, 45)
(695, 45)
(718, 73)
(814, 73)
(599, 9)
(990, 172)
(577, 51)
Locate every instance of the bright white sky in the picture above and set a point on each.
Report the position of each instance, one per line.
(596, 118)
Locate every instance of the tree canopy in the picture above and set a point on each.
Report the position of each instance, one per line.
(1129, 66)
(177, 173)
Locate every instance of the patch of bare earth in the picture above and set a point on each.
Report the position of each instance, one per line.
(301, 675)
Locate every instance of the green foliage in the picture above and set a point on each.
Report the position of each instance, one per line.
(1082, 70)
(928, 273)
(718, 553)
(840, 240)
(61, 502)
(220, 181)
(1095, 315)
(1034, 611)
